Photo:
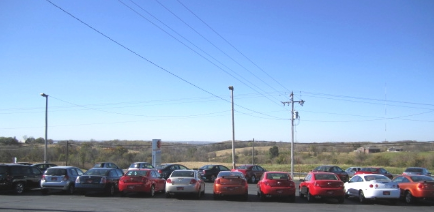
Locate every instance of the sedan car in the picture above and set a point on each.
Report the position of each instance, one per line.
(352, 170)
(251, 172)
(99, 180)
(415, 187)
(141, 165)
(372, 187)
(375, 170)
(166, 169)
(417, 171)
(230, 183)
(141, 180)
(210, 172)
(322, 185)
(334, 169)
(276, 184)
(60, 178)
(185, 182)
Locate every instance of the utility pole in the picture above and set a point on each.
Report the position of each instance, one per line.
(294, 116)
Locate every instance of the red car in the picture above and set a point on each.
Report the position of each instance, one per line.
(276, 184)
(415, 187)
(251, 172)
(230, 183)
(318, 185)
(142, 180)
(375, 170)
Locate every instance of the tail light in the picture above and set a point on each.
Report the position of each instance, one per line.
(193, 181)
(43, 177)
(65, 178)
(317, 184)
(103, 180)
(422, 185)
(159, 171)
(372, 185)
(217, 181)
(169, 180)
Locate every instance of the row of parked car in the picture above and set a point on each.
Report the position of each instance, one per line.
(174, 179)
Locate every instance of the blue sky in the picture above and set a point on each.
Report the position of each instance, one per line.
(139, 70)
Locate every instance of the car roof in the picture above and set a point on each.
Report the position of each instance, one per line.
(62, 167)
(321, 172)
(140, 169)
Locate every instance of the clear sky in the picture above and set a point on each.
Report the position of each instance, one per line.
(139, 70)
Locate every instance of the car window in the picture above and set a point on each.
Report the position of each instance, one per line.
(73, 172)
(183, 167)
(355, 179)
(183, 174)
(338, 169)
(56, 172)
(79, 171)
(307, 178)
(421, 178)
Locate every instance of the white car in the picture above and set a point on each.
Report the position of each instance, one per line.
(372, 187)
(185, 182)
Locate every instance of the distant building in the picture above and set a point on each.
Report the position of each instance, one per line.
(367, 150)
(394, 149)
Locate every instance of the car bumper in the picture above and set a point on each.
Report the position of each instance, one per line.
(55, 185)
(134, 187)
(381, 193)
(278, 191)
(181, 189)
(328, 192)
(91, 187)
(230, 190)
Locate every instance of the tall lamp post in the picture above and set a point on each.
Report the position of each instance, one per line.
(46, 125)
(233, 127)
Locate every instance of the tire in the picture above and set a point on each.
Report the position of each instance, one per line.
(310, 197)
(409, 198)
(253, 179)
(71, 189)
(362, 198)
(152, 192)
(111, 190)
(19, 188)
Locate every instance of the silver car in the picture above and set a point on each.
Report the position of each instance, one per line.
(352, 170)
(185, 182)
(60, 178)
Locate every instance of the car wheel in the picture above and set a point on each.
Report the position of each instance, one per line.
(19, 188)
(310, 197)
(152, 193)
(362, 198)
(111, 190)
(44, 191)
(71, 189)
(253, 179)
(409, 198)
(300, 194)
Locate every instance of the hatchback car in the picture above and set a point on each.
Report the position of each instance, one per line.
(276, 184)
(251, 172)
(375, 170)
(372, 187)
(141, 165)
(166, 169)
(334, 169)
(185, 182)
(17, 177)
(230, 183)
(415, 187)
(416, 170)
(60, 178)
(210, 172)
(141, 180)
(322, 185)
(104, 180)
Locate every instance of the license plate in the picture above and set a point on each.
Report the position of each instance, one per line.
(131, 187)
(279, 191)
(89, 181)
(54, 178)
(386, 192)
(329, 192)
(179, 188)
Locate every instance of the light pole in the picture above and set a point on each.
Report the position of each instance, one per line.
(233, 127)
(46, 125)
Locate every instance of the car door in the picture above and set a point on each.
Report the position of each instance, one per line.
(352, 184)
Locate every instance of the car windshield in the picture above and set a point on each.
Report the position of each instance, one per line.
(413, 170)
(137, 173)
(278, 176)
(101, 172)
(57, 172)
(421, 178)
(325, 177)
(378, 178)
(230, 174)
(182, 174)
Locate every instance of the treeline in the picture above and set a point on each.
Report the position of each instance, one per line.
(123, 152)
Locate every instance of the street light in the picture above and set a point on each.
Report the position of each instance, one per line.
(233, 127)
(46, 125)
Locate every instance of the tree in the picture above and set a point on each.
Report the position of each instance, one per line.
(274, 152)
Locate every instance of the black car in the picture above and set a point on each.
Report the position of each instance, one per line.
(210, 172)
(335, 169)
(166, 169)
(17, 177)
(103, 180)
(44, 166)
